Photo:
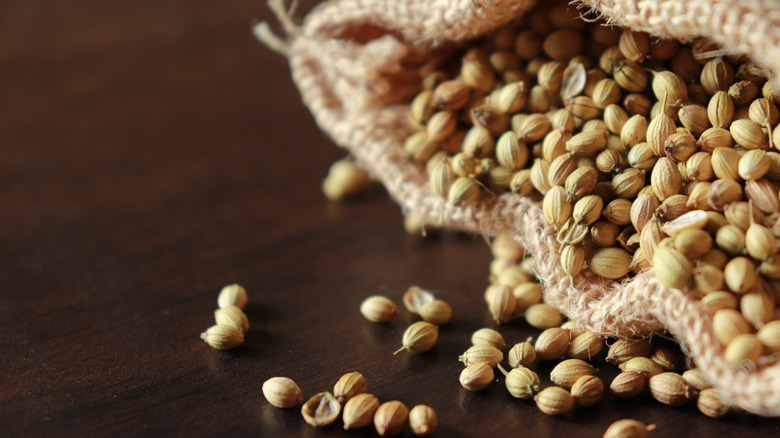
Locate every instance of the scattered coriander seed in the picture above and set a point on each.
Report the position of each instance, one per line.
(628, 429)
(587, 390)
(436, 312)
(377, 308)
(232, 295)
(628, 384)
(423, 420)
(566, 373)
(521, 382)
(223, 337)
(419, 337)
(359, 411)
(476, 376)
(522, 354)
(543, 316)
(321, 409)
(552, 343)
(710, 404)
(554, 401)
(390, 418)
(282, 392)
(349, 385)
(490, 337)
(233, 317)
(671, 389)
(482, 353)
(642, 365)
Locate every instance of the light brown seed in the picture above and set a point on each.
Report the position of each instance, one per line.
(612, 263)
(489, 337)
(672, 268)
(624, 349)
(522, 354)
(419, 337)
(710, 404)
(423, 420)
(232, 295)
(740, 274)
(552, 343)
(436, 312)
(671, 389)
(223, 337)
(585, 346)
(628, 429)
(748, 134)
(642, 365)
(695, 378)
(349, 385)
(554, 401)
(521, 382)
(282, 392)
(665, 178)
(482, 354)
(566, 373)
(390, 418)
(359, 411)
(728, 324)
(587, 390)
(628, 384)
(378, 308)
(543, 316)
(476, 376)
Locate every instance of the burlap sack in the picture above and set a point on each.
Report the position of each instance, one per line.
(355, 61)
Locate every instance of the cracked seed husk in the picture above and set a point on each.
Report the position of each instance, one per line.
(321, 409)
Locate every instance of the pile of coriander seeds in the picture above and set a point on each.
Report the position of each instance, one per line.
(644, 152)
(645, 365)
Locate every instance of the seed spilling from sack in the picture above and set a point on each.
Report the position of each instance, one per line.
(644, 153)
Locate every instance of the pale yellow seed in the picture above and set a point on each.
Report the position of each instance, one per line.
(728, 324)
(282, 392)
(233, 317)
(628, 429)
(423, 420)
(521, 382)
(482, 354)
(436, 312)
(378, 308)
(223, 337)
(232, 295)
(522, 354)
(695, 378)
(476, 376)
(566, 373)
(552, 343)
(390, 418)
(642, 365)
(543, 316)
(489, 337)
(672, 268)
(671, 389)
(710, 404)
(359, 411)
(587, 390)
(419, 337)
(628, 384)
(612, 263)
(743, 348)
(585, 346)
(769, 335)
(554, 401)
(349, 385)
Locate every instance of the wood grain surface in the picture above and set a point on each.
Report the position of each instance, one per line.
(152, 152)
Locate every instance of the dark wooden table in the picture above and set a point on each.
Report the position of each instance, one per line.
(152, 152)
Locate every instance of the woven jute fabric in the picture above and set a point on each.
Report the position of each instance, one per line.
(355, 63)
